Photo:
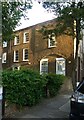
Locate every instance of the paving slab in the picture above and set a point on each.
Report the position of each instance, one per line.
(57, 107)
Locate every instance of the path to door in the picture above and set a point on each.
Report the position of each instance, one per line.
(57, 107)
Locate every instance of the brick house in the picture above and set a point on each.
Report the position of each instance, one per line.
(30, 49)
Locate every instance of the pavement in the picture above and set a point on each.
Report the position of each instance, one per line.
(57, 107)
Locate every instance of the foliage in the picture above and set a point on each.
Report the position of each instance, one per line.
(27, 87)
(11, 15)
(23, 87)
(66, 13)
(69, 21)
(0, 77)
(54, 83)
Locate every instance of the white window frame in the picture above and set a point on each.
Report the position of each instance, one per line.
(4, 57)
(14, 68)
(24, 40)
(64, 69)
(42, 60)
(15, 56)
(15, 40)
(24, 54)
(4, 44)
(49, 40)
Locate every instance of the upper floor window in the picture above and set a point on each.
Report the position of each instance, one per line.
(26, 37)
(16, 56)
(25, 54)
(4, 44)
(51, 40)
(16, 40)
(4, 56)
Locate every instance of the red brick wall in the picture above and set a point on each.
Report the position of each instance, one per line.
(38, 49)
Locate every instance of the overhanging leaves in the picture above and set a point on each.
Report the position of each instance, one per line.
(11, 14)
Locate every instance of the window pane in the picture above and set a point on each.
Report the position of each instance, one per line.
(17, 56)
(60, 66)
(26, 37)
(44, 67)
(26, 54)
(51, 40)
(18, 39)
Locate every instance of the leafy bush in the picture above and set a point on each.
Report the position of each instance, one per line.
(27, 87)
(24, 87)
(54, 83)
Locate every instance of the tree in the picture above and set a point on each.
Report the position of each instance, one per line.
(68, 14)
(11, 15)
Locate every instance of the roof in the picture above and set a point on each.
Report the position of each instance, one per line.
(42, 23)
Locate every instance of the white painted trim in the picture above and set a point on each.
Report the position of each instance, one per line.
(14, 56)
(4, 57)
(4, 44)
(60, 58)
(15, 39)
(17, 67)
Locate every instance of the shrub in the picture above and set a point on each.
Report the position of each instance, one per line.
(27, 87)
(24, 87)
(54, 83)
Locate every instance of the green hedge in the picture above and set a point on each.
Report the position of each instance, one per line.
(54, 83)
(27, 87)
(24, 87)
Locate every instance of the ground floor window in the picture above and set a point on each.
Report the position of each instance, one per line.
(25, 54)
(60, 66)
(44, 66)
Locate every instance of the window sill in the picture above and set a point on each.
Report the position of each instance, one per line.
(5, 47)
(16, 44)
(52, 46)
(25, 60)
(16, 61)
(26, 42)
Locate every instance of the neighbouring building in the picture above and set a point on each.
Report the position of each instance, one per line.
(30, 49)
(80, 58)
(0, 52)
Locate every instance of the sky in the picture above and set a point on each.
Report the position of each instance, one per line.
(36, 15)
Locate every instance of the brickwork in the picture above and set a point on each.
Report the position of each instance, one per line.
(38, 49)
